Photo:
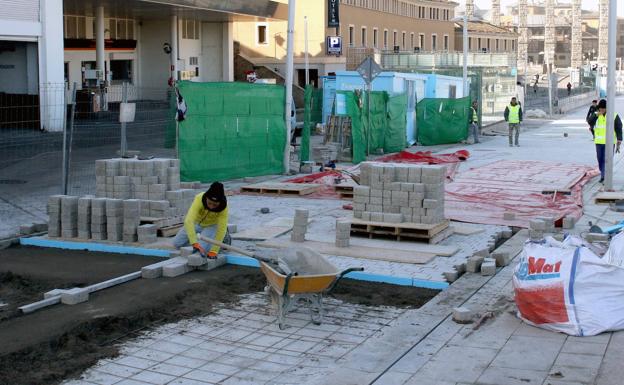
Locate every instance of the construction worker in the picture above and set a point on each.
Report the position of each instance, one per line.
(590, 115)
(513, 115)
(207, 215)
(474, 121)
(599, 122)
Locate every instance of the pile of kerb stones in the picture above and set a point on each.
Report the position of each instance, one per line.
(127, 189)
(300, 225)
(396, 193)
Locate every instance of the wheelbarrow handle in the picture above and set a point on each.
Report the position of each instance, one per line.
(342, 274)
(236, 249)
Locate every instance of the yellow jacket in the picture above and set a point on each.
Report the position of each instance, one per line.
(197, 214)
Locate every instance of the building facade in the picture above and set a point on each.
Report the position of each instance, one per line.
(365, 26)
(486, 37)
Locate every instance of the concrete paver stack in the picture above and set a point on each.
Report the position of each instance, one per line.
(396, 193)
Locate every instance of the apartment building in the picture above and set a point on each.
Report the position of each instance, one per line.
(364, 25)
(486, 37)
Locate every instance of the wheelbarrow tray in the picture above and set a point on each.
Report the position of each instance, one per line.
(298, 284)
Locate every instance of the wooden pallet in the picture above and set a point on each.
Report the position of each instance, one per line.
(401, 231)
(609, 197)
(169, 231)
(345, 192)
(281, 188)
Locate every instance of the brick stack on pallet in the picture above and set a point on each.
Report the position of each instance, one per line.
(343, 233)
(397, 193)
(300, 225)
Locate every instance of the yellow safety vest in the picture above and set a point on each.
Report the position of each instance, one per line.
(600, 130)
(514, 113)
(475, 118)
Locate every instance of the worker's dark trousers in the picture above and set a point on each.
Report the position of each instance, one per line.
(600, 154)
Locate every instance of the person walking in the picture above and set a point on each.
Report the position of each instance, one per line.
(207, 215)
(569, 87)
(599, 122)
(474, 121)
(513, 116)
(590, 114)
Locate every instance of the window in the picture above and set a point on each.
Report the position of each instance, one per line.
(121, 29)
(75, 27)
(412, 40)
(421, 43)
(434, 42)
(394, 39)
(446, 42)
(385, 38)
(496, 45)
(403, 41)
(375, 38)
(351, 36)
(262, 34)
(452, 92)
(363, 37)
(121, 71)
(190, 29)
(193, 60)
(513, 45)
(505, 44)
(479, 44)
(469, 43)
(488, 44)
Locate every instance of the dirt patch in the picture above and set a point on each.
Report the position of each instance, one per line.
(60, 342)
(382, 294)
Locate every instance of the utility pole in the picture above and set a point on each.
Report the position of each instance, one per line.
(603, 33)
(289, 81)
(608, 182)
(465, 69)
(307, 62)
(523, 40)
(577, 38)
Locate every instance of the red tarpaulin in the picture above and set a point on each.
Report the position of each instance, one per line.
(525, 188)
(328, 178)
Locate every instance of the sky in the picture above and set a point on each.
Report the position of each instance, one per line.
(587, 4)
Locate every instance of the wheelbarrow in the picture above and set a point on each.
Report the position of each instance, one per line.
(298, 274)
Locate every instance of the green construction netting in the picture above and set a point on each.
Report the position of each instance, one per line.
(312, 114)
(442, 121)
(231, 130)
(387, 122)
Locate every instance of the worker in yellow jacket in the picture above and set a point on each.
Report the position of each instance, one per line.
(208, 215)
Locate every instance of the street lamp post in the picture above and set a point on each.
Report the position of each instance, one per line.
(608, 182)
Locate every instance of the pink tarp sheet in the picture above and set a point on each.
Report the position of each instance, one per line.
(525, 188)
(329, 178)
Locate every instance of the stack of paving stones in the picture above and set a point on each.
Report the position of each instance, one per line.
(396, 193)
(343, 233)
(147, 233)
(69, 216)
(54, 216)
(127, 189)
(84, 217)
(98, 219)
(114, 220)
(537, 228)
(131, 219)
(155, 180)
(300, 225)
(568, 222)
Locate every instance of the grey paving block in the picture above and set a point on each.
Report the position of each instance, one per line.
(392, 218)
(503, 258)
(213, 263)
(175, 269)
(186, 251)
(488, 267)
(74, 296)
(473, 264)
(27, 229)
(463, 315)
(537, 224)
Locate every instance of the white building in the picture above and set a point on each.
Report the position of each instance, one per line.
(46, 46)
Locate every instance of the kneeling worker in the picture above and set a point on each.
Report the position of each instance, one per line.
(208, 215)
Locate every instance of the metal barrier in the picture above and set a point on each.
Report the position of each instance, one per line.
(49, 140)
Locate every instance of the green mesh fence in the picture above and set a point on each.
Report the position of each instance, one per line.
(442, 121)
(381, 129)
(231, 130)
(304, 150)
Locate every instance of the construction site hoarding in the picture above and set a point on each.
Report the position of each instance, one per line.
(231, 130)
(442, 121)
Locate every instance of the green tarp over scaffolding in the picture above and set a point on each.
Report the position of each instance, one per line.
(387, 122)
(231, 130)
(442, 121)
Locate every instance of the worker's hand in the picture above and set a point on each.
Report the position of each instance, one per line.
(212, 255)
(617, 148)
(197, 246)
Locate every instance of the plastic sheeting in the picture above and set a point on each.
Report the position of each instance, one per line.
(442, 121)
(231, 130)
(328, 178)
(525, 188)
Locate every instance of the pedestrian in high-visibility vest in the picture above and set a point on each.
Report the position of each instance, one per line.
(473, 121)
(513, 115)
(599, 122)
